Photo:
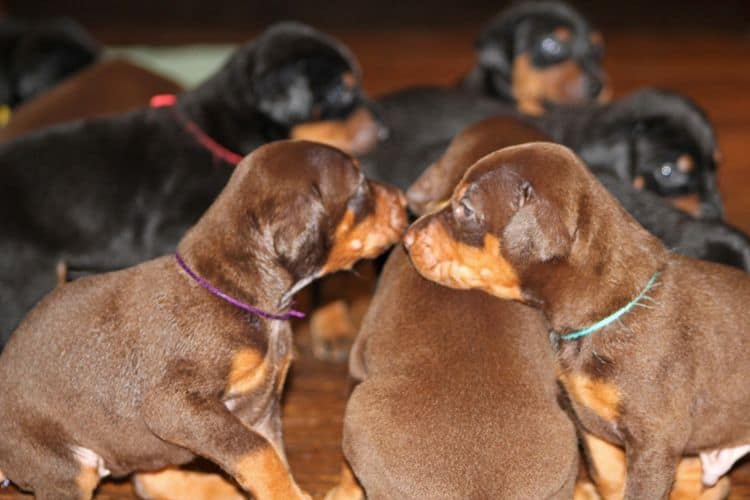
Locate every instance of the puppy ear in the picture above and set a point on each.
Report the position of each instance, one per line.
(493, 56)
(536, 232)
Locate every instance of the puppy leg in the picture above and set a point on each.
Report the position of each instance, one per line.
(207, 428)
(606, 466)
(175, 484)
(651, 467)
(348, 487)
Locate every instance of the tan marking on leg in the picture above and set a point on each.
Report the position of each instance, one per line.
(608, 468)
(265, 475)
(367, 238)
(248, 370)
(348, 487)
(332, 331)
(719, 491)
(687, 482)
(599, 396)
(690, 204)
(356, 135)
(87, 480)
(585, 491)
(440, 258)
(175, 484)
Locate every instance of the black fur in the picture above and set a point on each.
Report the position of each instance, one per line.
(661, 124)
(111, 192)
(522, 28)
(35, 57)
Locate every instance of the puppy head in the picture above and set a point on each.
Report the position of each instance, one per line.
(542, 52)
(47, 53)
(515, 210)
(433, 188)
(310, 209)
(659, 141)
(308, 85)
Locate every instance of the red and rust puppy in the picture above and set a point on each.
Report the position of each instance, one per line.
(641, 335)
(150, 366)
(535, 53)
(460, 381)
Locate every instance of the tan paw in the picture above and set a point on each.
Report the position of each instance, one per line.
(175, 484)
(332, 331)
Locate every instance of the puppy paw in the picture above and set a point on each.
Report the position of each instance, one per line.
(175, 484)
(341, 492)
(332, 331)
(719, 491)
(585, 491)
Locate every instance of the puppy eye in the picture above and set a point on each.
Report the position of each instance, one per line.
(550, 50)
(666, 170)
(464, 210)
(527, 193)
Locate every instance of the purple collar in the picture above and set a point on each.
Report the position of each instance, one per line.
(237, 303)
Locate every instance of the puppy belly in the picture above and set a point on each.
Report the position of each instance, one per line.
(716, 463)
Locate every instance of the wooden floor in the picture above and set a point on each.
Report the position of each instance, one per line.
(713, 68)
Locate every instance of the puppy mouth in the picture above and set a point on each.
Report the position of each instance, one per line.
(371, 236)
(357, 134)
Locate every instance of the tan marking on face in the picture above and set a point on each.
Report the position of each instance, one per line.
(639, 182)
(87, 480)
(356, 135)
(597, 395)
(608, 467)
(264, 474)
(248, 371)
(349, 80)
(563, 34)
(685, 164)
(690, 203)
(348, 487)
(369, 237)
(174, 483)
(563, 83)
(440, 258)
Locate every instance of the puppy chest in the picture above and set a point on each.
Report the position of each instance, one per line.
(597, 402)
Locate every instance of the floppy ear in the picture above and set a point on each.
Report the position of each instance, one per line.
(285, 95)
(493, 56)
(299, 242)
(536, 232)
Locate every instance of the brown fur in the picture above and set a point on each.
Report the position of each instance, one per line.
(143, 368)
(677, 366)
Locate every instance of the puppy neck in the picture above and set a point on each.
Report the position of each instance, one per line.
(245, 270)
(611, 261)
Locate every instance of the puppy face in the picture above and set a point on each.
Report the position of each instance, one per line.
(509, 214)
(543, 52)
(309, 86)
(661, 142)
(316, 211)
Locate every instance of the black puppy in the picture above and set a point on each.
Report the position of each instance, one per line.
(111, 192)
(534, 53)
(35, 57)
(653, 139)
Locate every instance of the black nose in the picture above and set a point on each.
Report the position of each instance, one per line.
(595, 86)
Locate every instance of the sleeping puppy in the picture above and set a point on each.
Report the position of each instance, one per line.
(708, 238)
(539, 52)
(186, 354)
(111, 192)
(530, 223)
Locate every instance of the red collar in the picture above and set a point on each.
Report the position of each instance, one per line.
(219, 151)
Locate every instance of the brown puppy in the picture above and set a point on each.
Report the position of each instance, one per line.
(144, 368)
(641, 335)
(457, 396)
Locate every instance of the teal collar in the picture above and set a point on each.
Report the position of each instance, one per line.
(615, 315)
